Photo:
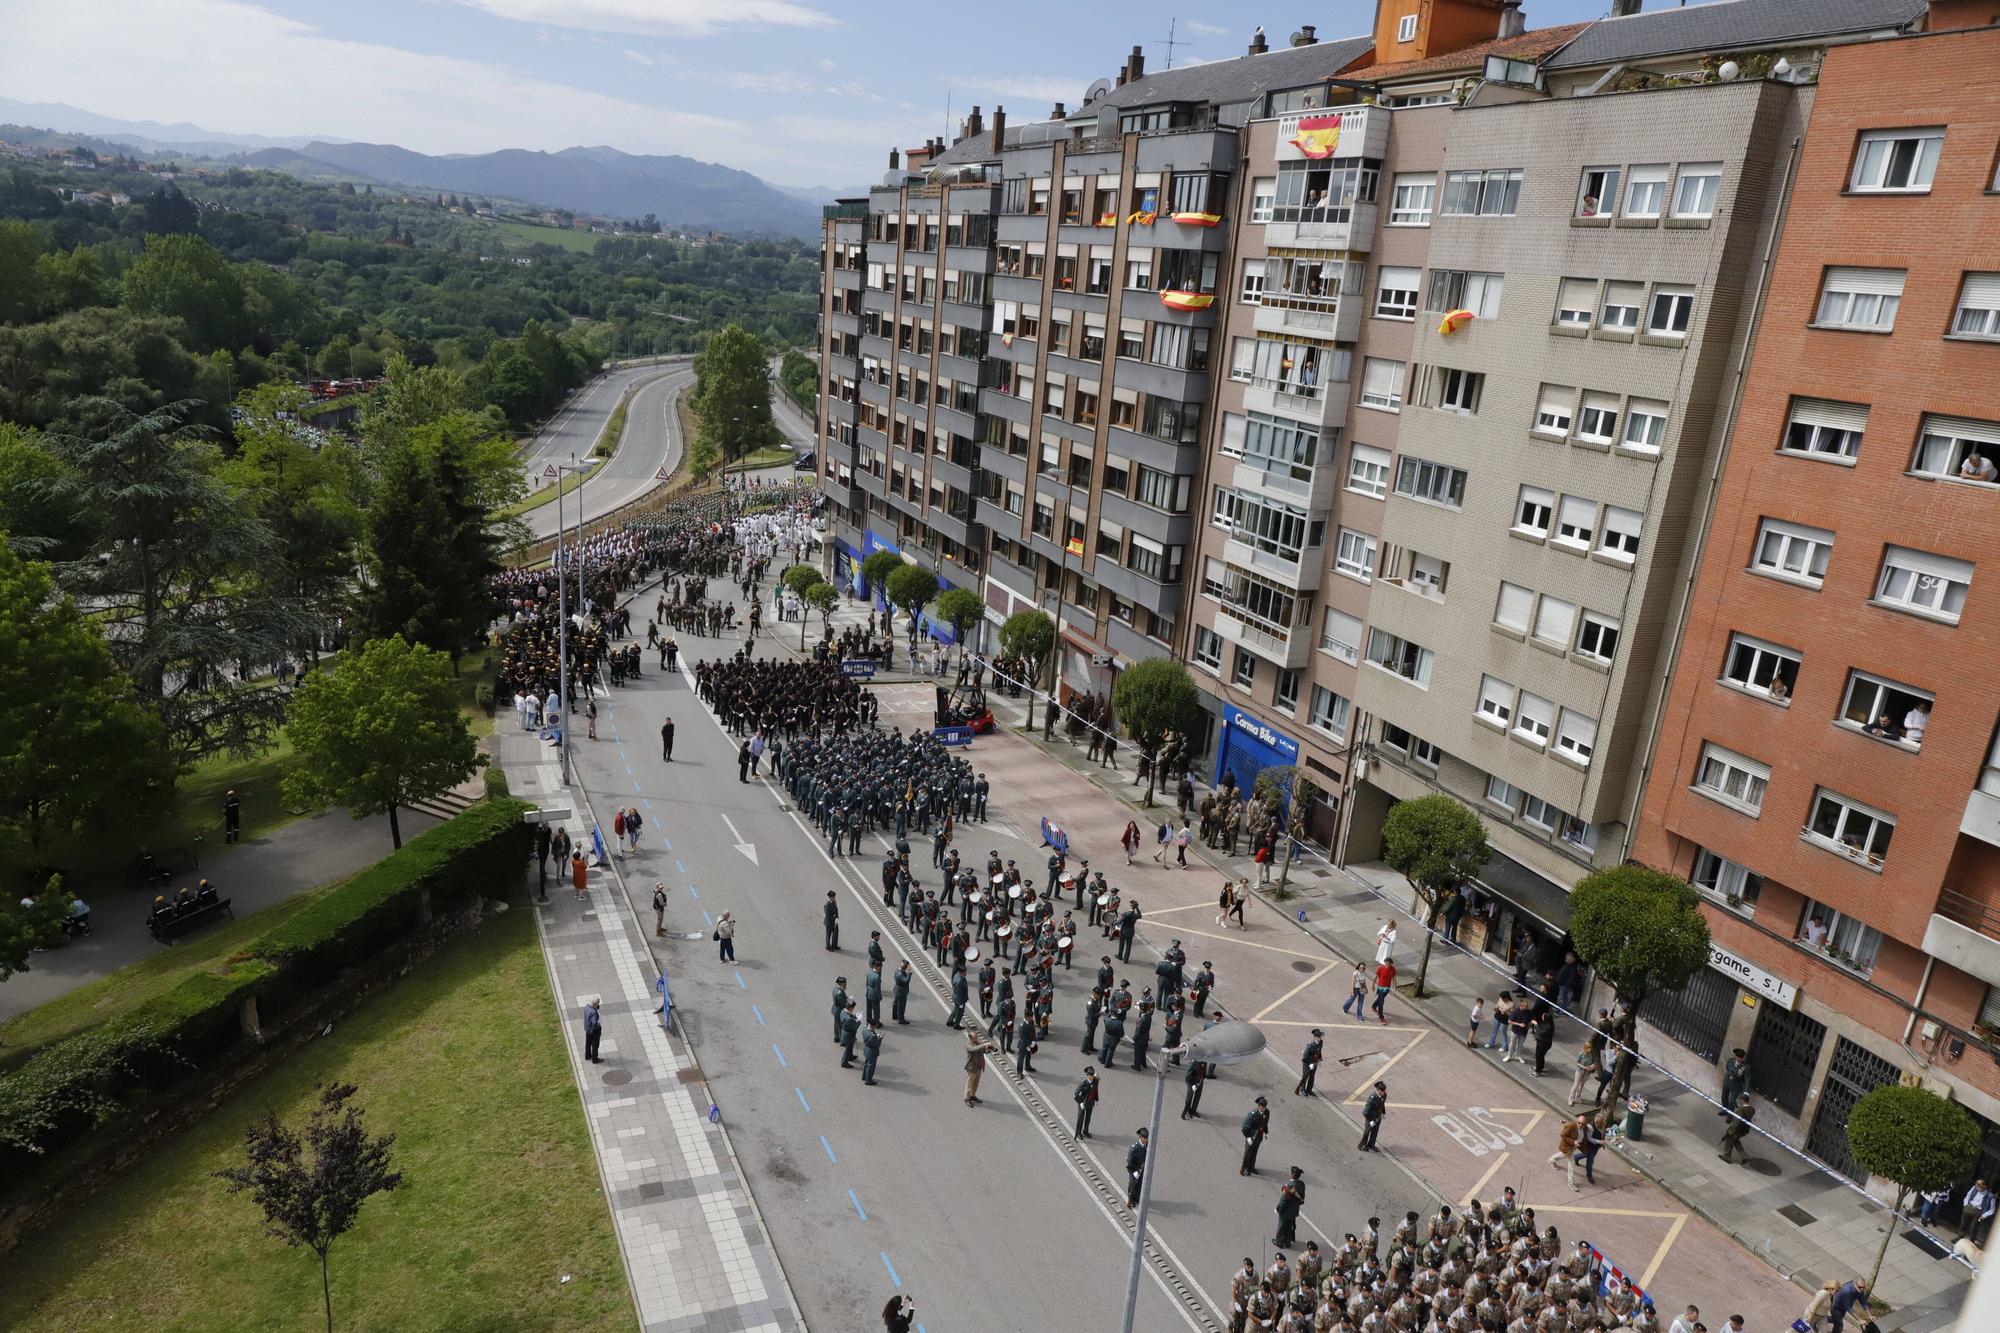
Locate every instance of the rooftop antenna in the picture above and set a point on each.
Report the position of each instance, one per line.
(1171, 43)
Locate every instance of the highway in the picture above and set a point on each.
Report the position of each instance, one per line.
(652, 441)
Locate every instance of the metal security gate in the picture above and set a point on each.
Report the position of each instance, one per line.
(1784, 1050)
(1697, 1015)
(1855, 1073)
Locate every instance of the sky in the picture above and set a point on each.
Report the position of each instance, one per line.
(801, 92)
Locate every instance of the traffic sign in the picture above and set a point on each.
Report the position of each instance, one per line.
(859, 667)
(549, 471)
(661, 475)
(953, 735)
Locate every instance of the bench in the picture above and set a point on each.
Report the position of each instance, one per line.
(166, 927)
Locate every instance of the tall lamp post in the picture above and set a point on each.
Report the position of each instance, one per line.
(562, 609)
(1219, 1044)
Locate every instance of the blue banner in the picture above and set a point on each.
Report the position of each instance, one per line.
(953, 735)
(859, 667)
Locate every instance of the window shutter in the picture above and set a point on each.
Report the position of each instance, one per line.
(1866, 281)
(1831, 414)
(1982, 291)
(1923, 562)
(1963, 428)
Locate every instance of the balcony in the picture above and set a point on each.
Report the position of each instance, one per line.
(1288, 649)
(1363, 132)
(1300, 570)
(1965, 932)
(1982, 810)
(1314, 316)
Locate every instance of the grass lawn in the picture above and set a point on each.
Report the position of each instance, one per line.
(762, 458)
(471, 670)
(528, 233)
(462, 1062)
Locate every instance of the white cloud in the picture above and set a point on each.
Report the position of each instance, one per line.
(1200, 29)
(1051, 88)
(638, 57)
(684, 17)
(231, 65)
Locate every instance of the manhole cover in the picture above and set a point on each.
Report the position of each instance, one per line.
(1796, 1215)
(617, 1078)
(1302, 966)
(652, 1189)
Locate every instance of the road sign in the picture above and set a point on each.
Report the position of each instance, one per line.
(953, 735)
(661, 475)
(858, 667)
(549, 471)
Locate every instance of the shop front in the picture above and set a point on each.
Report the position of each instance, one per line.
(1246, 746)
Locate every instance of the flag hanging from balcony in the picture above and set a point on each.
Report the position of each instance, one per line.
(1197, 219)
(1454, 321)
(1107, 219)
(1074, 546)
(1187, 300)
(1317, 136)
(1006, 340)
(1143, 217)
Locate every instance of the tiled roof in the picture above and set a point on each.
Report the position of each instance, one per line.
(1527, 46)
(1244, 77)
(1728, 25)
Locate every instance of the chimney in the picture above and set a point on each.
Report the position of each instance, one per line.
(1136, 63)
(999, 128)
(1258, 46)
(1060, 113)
(974, 123)
(895, 159)
(1624, 8)
(1304, 36)
(1512, 22)
(1123, 71)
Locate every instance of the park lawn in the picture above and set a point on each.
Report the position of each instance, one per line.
(132, 985)
(461, 1060)
(529, 233)
(757, 458)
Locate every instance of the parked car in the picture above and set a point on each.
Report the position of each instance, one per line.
(805, 462)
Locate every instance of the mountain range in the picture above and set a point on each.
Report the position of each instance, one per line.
(679, 191)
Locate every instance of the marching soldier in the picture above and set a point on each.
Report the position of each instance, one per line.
(875, 955)
(871, 1048)
(1086, 1101)
(1242, 1288)
(1372, 1112)
(1171, 1039)
(986, 989)
(831, 915)
(1256, 1128)
(1024, 1050)
(1309, 1064)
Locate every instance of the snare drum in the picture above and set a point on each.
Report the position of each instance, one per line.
(989, 916)
(1004, 932)
(1103, 899)
(972, 953)
(1013, 890)
(1064, 942)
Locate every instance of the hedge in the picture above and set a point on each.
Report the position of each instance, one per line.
(71, 1087)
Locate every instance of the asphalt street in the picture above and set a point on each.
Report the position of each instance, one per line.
(992, 1216)
(652, 440)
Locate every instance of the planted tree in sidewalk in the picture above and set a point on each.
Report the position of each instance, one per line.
(823, 598)
(911, 588)
(1642, 930)
(800, 581)
(1915, 1138)
(311, 1186)
(876, 567)
(960, 608)
(1290, 792)
(1030, 636)
(378, 730)
(1151, 699)
(1437, 844)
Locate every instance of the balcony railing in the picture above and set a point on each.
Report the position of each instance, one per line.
(1971, 913)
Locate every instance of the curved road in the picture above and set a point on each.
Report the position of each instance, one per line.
(652, 441)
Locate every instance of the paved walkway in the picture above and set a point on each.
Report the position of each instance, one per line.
(695, 1248)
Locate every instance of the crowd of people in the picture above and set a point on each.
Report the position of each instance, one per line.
(767, 698)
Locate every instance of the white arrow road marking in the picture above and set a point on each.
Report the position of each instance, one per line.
(748, 849)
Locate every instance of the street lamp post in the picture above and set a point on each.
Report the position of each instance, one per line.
(562, 610)
(1219, 1044)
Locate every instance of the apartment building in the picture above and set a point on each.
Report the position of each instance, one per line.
(1828, 773)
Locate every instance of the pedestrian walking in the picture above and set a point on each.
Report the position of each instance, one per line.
(1569, 1141)
(1385, 941)
(725, 937)
(830, 915)
(1589, 1142)
(1372, 1111)
(1737, 1131)
(590, 715)
(667, 741)
(1845, 1299)
(1135, 1169)
(1256, 1128)
(1498, 1039)
(900, 1314)
(1181, 841)
(1735, 1079)
(976, 1050)
(1545, 1037)
(1357, 995)
(1385, 981)
(659, 910)
(1237, 898)
(232, 817)
(1129, 840)
(1309, 1064)
(579, 873)
(593, 1028)
(1589, 1061)
(1085, 1098)
(1164, 836)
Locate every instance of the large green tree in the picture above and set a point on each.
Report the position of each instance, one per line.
(1152, 698)
(20, 273)
(30, 922)
(732, 393)
(1030, 636)
(33, 524)
(1642, 930)
(431, 549)
(1915, 1138)
(77, 748)
(378, 730)
(960, 608)
(1438, 845)
(911, 588)
(186, 278)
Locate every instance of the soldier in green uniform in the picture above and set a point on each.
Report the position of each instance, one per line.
(871, 1049)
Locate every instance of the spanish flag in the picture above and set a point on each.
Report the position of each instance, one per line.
(1197, 219)
(1074, 546)
(1317, 136)
(1454, 321)
(1187, 300)
(1144, 217)
(1107, 219)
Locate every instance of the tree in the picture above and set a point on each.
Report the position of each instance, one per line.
(1437, 844)
(732, 393)
(20, 272)
(960, 608)
(28, 924)
(1915, 1138)
(1153, 698)
(378, 730)
(77, 748)
(800, 577)
(1290, 791)
(312, 1203)
(431, 552)
(1030, 636)
(912, 587)
(823, 598)
(1643, 931)
(876, 567)
(186, 278)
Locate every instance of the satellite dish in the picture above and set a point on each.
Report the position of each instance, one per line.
(1096, 91)
(1782, 68)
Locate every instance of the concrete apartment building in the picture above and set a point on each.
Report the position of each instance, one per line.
(1828, 772)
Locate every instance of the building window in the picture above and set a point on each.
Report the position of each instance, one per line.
(1516, 609)
(1330, 712)
(1486, 194)
(1576, 523)
(1534, 719)
(1725, 879)
(1845, 825)
(1861, 299)
(1556, 412)
(1574, 303)
(1396, 292)
(1263, 194)
(1978, 313)
(1539, 813)
(1382, 383)
(1695, 190)
(1287, 696)
(1355, 555)
(1341, 636)
(1896, 161)
(1410, 200)
(1406, 28)
(1597, 193)
(1207, 648)
(1252, 290)
(1620, 312)
(1667, 316)
(1598, 420)
(1576, 737)
(1789, 551)
(1825, 429)
(1432, 482)
(1620, 540)
(1502, 793)
(1732, 779)
(1958, 449)
(1646, 192)
(1761, 668)
(1214, 579)
(1886, 710)
(1458, 390)
(1554, 620)
(1368, 471)
(1645, 426)
(1839, 936)
(1930, 585)
(1536, 508)
(1400, 657)
(1598, 637)
(1496, 701)
(1457, 289)
(1245, 673)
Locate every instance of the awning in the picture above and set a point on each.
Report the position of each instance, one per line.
(1527, 890)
